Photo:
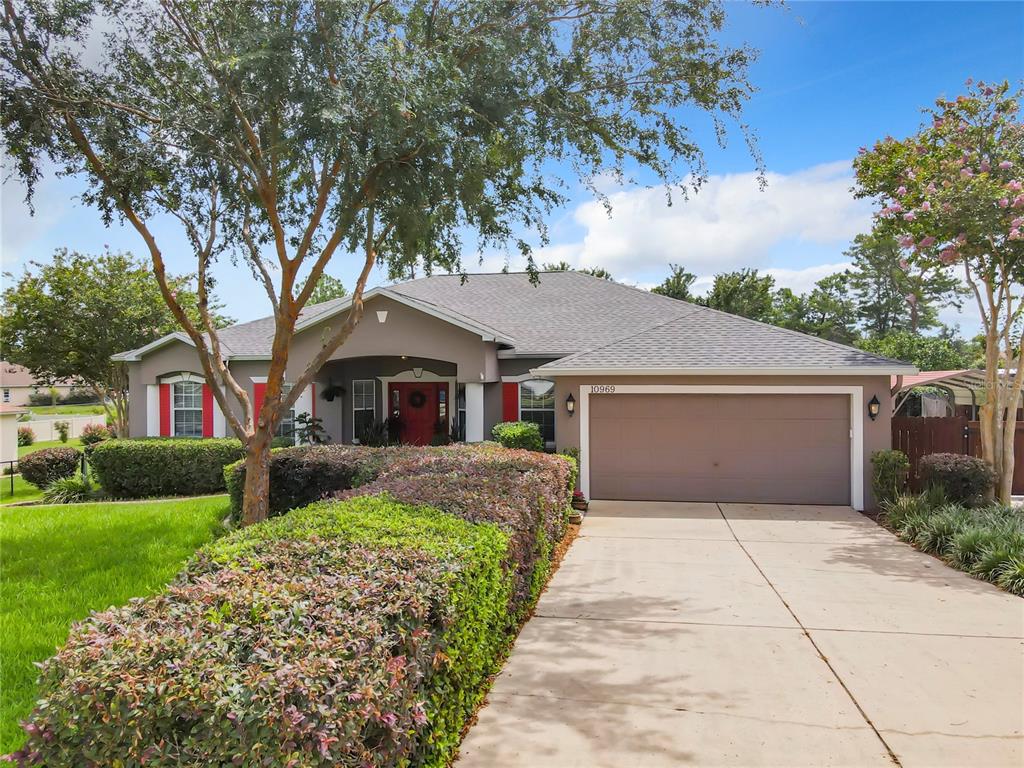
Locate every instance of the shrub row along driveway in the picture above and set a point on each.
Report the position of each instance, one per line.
(706, 634)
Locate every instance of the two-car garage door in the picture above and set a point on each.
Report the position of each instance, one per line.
(770, 448)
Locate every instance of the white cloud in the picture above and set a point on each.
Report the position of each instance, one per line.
(729, 223)
(803, 280)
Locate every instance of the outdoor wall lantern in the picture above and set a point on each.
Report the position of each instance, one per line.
(570, 404)
(874, 407)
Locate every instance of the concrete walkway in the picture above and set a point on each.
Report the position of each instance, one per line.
(735, 634)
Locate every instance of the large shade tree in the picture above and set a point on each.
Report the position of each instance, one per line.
(953, 194)
(65, 318)
(286, 132)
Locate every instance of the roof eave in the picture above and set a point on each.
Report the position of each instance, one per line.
(877, 370)
(134, 355)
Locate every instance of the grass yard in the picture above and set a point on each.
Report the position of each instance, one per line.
(61, 562)
(22, 491)
(73, 442)
(66, 410)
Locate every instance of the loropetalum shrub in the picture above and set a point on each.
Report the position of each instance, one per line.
(889, 471)
(301, 475)
(527, 493)
(163, 466)
(94, 433)
(964, 479)
(42, 468)
(356, 633)
(26, 436)
(518, 434)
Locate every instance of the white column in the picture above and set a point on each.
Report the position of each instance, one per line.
(152, 410)
(474, 413)
(304, 404)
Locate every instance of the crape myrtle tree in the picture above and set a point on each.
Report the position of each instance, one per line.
(288, 132)
(954, 196)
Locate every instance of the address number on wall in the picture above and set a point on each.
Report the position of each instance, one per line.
(602, 389)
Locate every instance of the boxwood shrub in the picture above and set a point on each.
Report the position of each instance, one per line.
(163, 466)
(299, 476)
(355, 633)
(518, 434)
(42, 468)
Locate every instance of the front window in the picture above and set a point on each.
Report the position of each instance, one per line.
(7, 395)
(461, 409)
(286, 425)
(537, 404)
(363, 405)
(187, 409)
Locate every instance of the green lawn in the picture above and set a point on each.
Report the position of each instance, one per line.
(73, 442)
(65, 410)
(22, 491)
(61, 562)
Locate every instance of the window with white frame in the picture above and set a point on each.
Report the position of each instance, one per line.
(363, 406)
(7, 395)
(286, 426)
(187, 408)
(537, 404)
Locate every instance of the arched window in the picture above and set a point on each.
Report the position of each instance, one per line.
(537, 404)
(187, 409)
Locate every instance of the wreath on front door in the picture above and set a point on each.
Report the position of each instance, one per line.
(417, 399)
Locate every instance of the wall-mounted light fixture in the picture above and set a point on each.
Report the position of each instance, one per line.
(874, 407)
(570, 404)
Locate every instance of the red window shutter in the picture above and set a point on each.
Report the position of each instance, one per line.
(207, 411)
(258, 391)
(510, 401)
(165, 410)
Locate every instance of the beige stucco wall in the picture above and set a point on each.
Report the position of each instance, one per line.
(877, 433)
(20, 395)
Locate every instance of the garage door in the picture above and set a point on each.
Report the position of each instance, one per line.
(707, 447)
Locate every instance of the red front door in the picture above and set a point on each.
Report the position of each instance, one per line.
(419, 407)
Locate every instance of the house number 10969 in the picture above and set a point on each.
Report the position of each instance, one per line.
(602, 389)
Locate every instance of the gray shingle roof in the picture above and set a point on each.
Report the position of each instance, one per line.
(564, 312)
(709, 339)
(593, 324)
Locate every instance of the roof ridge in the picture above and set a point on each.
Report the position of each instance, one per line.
(693, 308)
(801, 334)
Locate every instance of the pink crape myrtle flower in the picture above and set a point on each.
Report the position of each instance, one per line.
(909, 216)
(931, 189)
(907, 241)
(1005, 165)
(966, 173)
(1018, 201)
(927, 242)
(1015, 186)
(1004, 202)
(901, 191)
(948, 256)
(926, 206)
(904, 264)
(1015, 234)
(984, 167)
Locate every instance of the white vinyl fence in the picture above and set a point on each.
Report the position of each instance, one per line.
(45, 429)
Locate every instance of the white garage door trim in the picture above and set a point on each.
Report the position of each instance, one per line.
(856, 395)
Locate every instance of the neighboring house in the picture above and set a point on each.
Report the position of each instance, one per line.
(664, 399)
(9, 432)
(16, 384)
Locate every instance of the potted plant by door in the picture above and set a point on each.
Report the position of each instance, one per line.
(579, 506)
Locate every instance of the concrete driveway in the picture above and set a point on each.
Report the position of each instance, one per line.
(737, 634)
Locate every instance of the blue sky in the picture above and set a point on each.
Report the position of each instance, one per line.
(832, 76)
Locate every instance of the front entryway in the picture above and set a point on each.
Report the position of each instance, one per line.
(713, 634)
(419, 410)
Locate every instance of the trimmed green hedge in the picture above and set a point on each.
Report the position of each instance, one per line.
(302, 475)
(519, 434)
(350, 633)
(163, 466)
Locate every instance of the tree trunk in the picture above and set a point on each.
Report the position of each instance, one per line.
(256, 498)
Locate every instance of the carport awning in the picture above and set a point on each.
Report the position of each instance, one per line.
(969, 378)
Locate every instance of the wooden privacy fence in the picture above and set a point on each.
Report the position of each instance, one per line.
(919, 436)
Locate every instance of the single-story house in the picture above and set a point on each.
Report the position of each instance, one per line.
(665, 400)
(17, 383)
